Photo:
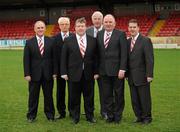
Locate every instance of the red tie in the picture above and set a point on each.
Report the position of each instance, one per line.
(82, 47)
(106, 41)
(132, 43)
(41, 46)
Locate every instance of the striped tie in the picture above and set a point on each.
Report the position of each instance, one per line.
(132, 43)
(82, 47)
(106, 41)
(41, 46)
(65, 36)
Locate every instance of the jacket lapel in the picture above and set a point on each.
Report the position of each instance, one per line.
(102, 39)
(87, 46)
(35, 41)
(111, 39)
(45, 45)
(137, 43)
(76, 46)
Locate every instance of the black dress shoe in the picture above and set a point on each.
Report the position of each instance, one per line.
(51, 120)
(146, 121)
(117, 121)
(70, 115)
(91, 120)
(138, 120)
(60, 117)
(110, 120)
(75, 121)
(104, 116)
(30, 120)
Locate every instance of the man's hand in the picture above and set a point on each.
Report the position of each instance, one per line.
(27, 78)
(96, 76)
(121, 74)
(65, 77)
(54, 76)
(149, 79)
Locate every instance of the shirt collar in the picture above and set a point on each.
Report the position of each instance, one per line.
(108, 32)
(99, 28)
(135, 38)
(78, 37)
(62, 33)
(38, 38)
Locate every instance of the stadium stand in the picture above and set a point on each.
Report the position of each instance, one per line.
(146, 22)
(150, 25)
(171, 26)
(21, 29)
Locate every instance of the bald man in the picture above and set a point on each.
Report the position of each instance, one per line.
(38, 71)
(112, 47)
(64, 25)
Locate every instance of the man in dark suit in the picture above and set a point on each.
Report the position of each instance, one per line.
(97, 19)
(38, 71)
(140, 72)
(79, 67)
(64, 25)
(112, 47)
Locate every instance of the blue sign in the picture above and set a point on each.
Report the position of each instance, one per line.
(12, 43)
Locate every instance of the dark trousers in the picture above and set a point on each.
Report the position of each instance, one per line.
(141, 100)
(86, 87)
(113, 90)
(101, 97)
(60, 96)
(34, 90)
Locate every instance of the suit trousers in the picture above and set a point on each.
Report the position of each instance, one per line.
(141, 100)
(113, 90)
(34, 90)
(60, 96)
(86, 87)
(101, 97)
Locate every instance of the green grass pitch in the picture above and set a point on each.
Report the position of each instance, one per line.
(165, 91)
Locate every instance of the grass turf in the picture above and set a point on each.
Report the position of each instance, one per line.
(165, 100)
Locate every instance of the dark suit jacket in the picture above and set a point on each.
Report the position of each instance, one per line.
(58, 44)
(36, 65)
(114, 57)
(140, 60)
(72, 61)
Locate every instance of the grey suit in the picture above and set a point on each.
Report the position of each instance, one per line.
(140, 66)
(111, 60)
(90, 31)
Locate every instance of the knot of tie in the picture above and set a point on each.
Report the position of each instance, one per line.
(107, 33)
(65, 36)
(132, 43)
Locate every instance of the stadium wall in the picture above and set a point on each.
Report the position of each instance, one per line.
(22, 14)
